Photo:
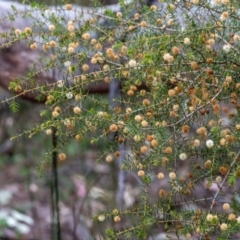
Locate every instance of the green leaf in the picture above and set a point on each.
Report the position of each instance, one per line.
(14, 106)
(109, 13)
(231, 180)
(43, 112)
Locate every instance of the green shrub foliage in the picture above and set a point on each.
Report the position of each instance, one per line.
(178, 113)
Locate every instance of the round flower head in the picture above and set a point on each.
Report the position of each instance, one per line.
(172, 175)
(117, 219)
(62, 156)
(226, 47)
(144, 123)
(77, 110)
(55, 114)
(171, 93)
(34, 46)
(154, 143)
(51, 27)
(196, 143)
(67, 63)
(141, 173)
(224, 16)
(132, 63)
(68, 7)
(187, 41)
(69, 95)
(71, 50)
(168, 58)
(49, 131)
(144, 149)
(85, 67)
(101, 218)
(218, 179)
(128, 110)
(223, 227)
(168, 150)
(52, 43)
(71, 28)
(209, 143)
(113, 128)
(236, 38)
(226, 206)
(183, 156)
(185, 129)
(119, 15)
(138, 118)
(143, 24)
(146, 102)
(209, 217)
(18, 31)
(60, 83)
(28, 30)
(195, 1)
(153, 7)
(78, 97)
(137, 138)
(160, 175)
(232, 217)
(109, 158)
(78, 137)
(188, 236)
(86, 36)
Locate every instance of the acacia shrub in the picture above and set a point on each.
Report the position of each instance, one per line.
(178, 64)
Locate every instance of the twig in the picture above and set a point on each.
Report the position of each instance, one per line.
(224, 180)
(56, 227)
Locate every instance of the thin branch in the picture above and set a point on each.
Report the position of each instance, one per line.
(224, 180)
